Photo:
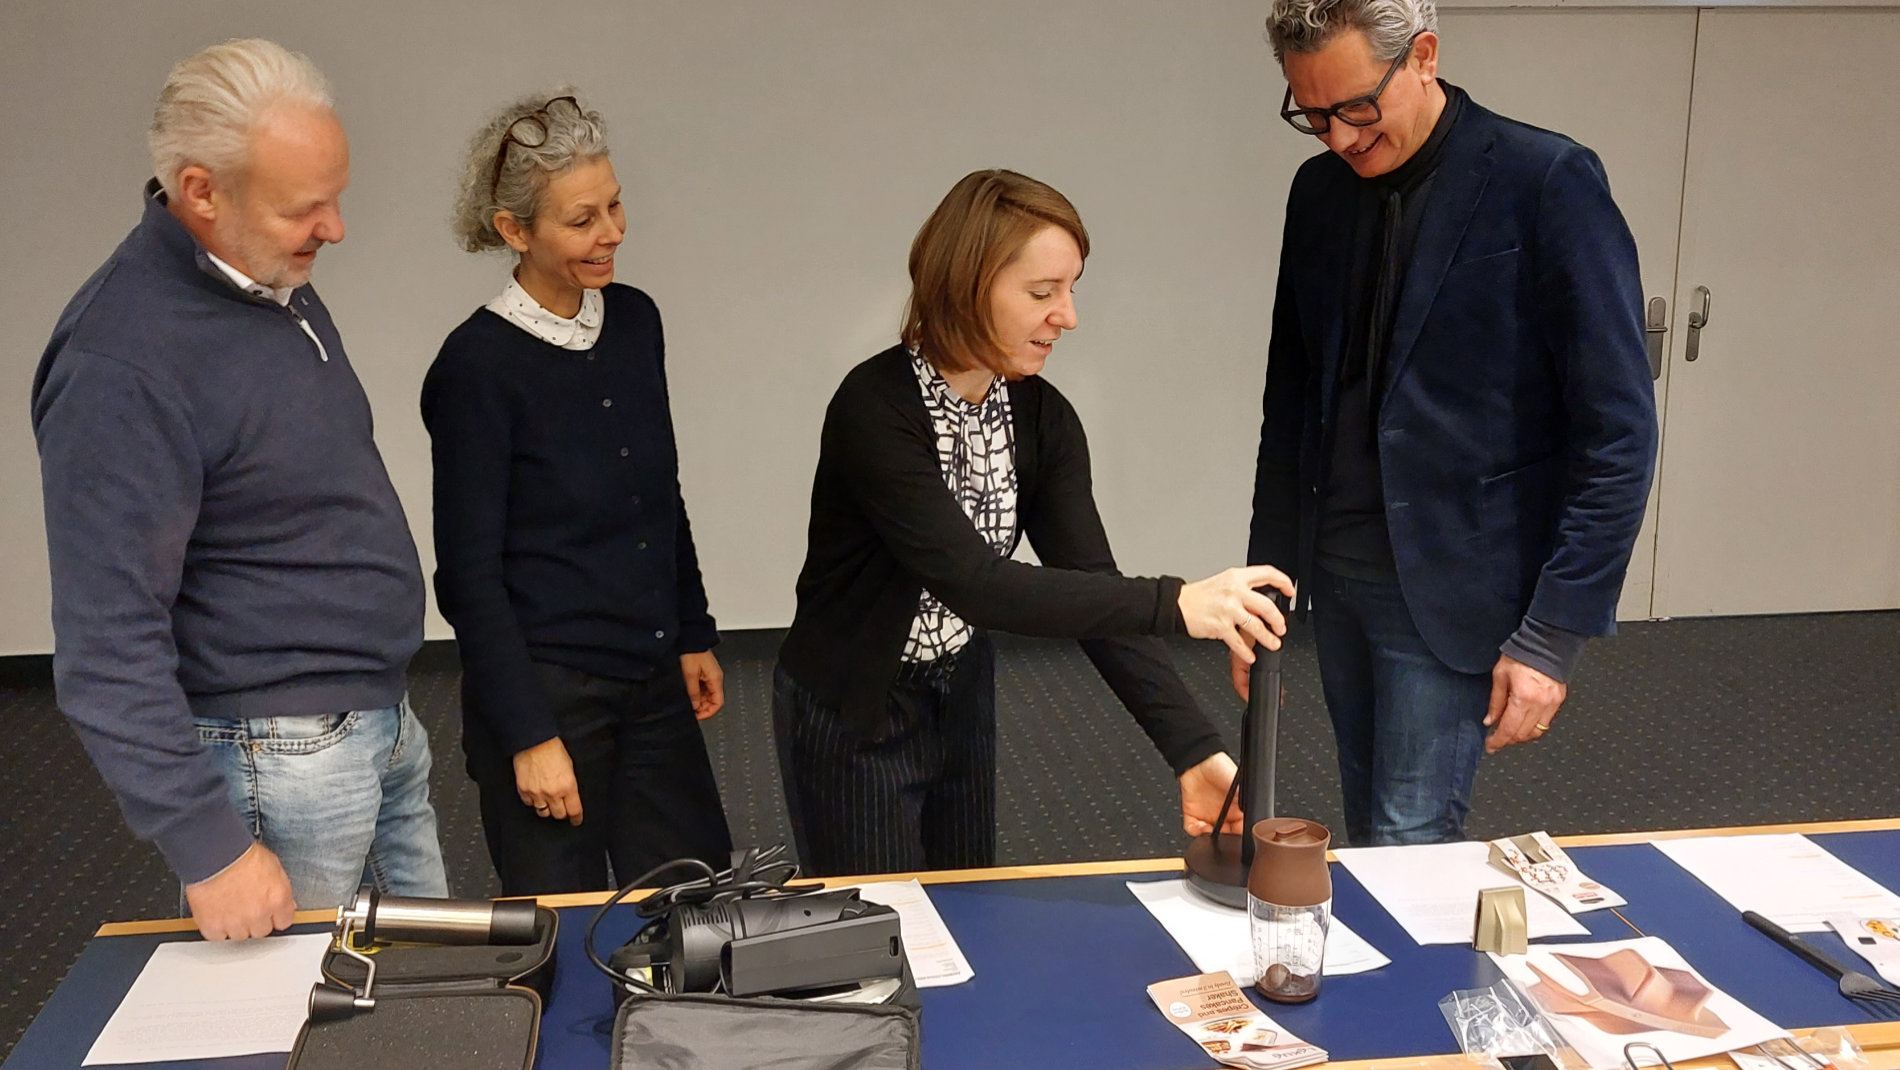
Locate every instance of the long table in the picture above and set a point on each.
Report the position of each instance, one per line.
(1063, 955)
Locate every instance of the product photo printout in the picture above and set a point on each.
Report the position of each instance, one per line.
(1605, 996)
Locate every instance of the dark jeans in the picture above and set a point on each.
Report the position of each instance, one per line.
(923, 798)
(1410, 729)
(647, 790)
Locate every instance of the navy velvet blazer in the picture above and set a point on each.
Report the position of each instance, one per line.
(1518, 429)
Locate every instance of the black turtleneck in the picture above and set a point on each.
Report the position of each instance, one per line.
(1353, 540)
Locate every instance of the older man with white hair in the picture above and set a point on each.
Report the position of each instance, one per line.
(236, 595)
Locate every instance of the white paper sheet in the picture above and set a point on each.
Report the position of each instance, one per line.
(199, 1000)
(1216, 937)
(1605, 1049)
(935, 958)
(1876, 939)
(1786, 876)
(1431, 890)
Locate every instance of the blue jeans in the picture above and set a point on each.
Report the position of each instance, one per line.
(342, 799)
(1410, 729)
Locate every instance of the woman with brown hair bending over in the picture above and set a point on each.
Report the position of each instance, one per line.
(938, 456)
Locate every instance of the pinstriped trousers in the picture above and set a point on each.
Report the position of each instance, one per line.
(922, 798)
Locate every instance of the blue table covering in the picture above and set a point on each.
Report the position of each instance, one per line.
(1062, 965)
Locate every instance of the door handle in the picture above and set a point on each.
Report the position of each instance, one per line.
(1656, 330)
(1698, 319)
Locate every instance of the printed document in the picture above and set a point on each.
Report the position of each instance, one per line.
(1785, 876)
(1605, 996)
(1218, 937)
(211, 1000)
(935, 958)
(1431, 890)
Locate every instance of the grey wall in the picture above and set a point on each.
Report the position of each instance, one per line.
(777, 159)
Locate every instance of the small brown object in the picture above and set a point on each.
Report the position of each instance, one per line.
(1289, 862)
(1502, 925)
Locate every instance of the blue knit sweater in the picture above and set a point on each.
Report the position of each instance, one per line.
(224, 539)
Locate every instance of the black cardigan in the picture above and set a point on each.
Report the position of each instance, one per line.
(560, 534)
(884, 526)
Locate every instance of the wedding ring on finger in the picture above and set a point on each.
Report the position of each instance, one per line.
(1543, 728)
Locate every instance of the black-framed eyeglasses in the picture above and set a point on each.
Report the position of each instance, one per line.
(1359, 111)
(530, 132)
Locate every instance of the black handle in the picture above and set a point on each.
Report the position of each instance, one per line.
(329, 1003)
(1268, 661)
(1788, 940)
(1260, 740)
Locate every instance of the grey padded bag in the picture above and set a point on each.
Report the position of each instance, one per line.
(704, 1032)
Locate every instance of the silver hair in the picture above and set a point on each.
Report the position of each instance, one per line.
(574, 136)
(1303, 26)
(212, 102)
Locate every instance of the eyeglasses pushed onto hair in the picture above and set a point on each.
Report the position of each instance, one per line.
(531, 132)
(1359, 111)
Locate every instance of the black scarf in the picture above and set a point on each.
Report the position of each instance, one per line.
(1396, 200)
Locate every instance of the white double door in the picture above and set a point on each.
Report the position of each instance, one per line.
(1747, 150)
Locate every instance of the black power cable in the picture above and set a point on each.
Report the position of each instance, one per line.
(754, 872)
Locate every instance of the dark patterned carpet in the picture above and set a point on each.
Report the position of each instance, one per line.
(1672, 724)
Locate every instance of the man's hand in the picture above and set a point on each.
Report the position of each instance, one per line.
(1523, 704)
(251, 897)
(1203, 789)
(705, 683)
(544, 778)
(1242, 674)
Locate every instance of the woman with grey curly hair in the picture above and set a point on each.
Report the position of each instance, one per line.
(564, 558)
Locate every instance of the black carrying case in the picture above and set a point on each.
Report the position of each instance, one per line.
(473, 1007)
(706, 1032)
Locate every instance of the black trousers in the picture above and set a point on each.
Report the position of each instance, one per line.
(647, 789)
(923, 798)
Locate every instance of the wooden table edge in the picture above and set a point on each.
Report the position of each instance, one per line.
(1879, 1042)
(1089, 869)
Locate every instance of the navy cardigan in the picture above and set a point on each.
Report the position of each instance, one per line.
(560, 533)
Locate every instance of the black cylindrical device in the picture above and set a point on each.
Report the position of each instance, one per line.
(1217, 863)
(1260, 745)
(695, 934)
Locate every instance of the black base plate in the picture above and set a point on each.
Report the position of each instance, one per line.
(1214, 869)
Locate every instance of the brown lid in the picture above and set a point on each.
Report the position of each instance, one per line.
(1289, 862)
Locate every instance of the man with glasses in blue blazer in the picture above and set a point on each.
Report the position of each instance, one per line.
(1459, 423)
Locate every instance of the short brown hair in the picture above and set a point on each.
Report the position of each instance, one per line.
(982, 224)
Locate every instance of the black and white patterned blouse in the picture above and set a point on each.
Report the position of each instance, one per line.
(976, 450)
